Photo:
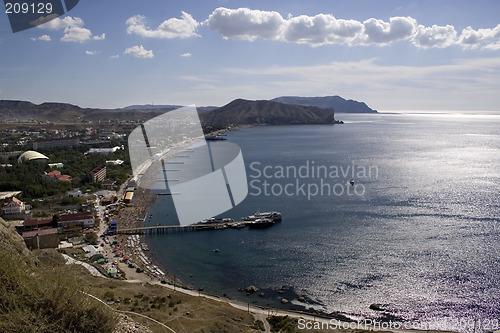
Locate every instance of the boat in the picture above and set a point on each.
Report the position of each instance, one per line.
(221, 227)
(261, 223)
(238, 225)
(211, 137)
(275, 216)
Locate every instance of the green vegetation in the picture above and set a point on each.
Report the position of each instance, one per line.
(27, 177)
(283, 324)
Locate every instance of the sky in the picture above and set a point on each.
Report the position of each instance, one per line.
(392, 55)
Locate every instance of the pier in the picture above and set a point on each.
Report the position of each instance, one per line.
(160, 229)
(167, 229)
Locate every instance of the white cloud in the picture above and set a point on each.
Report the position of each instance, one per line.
(139, 52)
(91, 52)
(322, 29)
(186, 55)
(116, 56)
(59, 24)
(45, 38)
(172, 28)
(247, 24)
(383, 33)
(435, 36)
(76, 35)
(471, 39)
(73, 29)
(101, 37)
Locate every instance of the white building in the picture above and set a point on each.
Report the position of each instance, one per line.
(13, 207)
(103, 150)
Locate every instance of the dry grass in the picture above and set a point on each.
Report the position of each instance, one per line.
(46, 298)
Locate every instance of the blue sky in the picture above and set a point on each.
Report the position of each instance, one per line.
(393, 55)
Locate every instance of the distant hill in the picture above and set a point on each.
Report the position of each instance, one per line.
(165, 108)
(339, 104)
(246, 112)
(13, 111)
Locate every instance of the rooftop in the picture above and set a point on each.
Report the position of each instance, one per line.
(76, 216)
(31, 155)
(34, 233)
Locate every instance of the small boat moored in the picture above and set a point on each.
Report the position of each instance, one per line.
(261, 223)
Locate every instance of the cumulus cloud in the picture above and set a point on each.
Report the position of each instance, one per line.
(172, 28)
(116, 56)
(245, 23)
(186, 55)
(248, 24)
(62, 23)
(73, 29)
(382, 33)
(45, 38)
(322, 29)
(471, 39)
(76, 35)
(139, 52)
(101, 37)
(435, 36)
(91, 52)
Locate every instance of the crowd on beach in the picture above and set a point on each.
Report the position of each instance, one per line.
(129, 250)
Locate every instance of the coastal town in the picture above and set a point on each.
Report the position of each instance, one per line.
(81, 190)
(83, 222)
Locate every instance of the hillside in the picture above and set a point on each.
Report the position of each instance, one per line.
(23, 111)
(246, 112)
(40, 298)
(338, 103)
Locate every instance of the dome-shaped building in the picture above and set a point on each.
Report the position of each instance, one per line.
(32, 155)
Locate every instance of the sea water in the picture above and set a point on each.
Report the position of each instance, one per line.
(416, 231)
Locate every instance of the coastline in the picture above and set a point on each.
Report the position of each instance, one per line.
(134, 215)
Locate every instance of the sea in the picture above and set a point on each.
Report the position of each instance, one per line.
(389, 217)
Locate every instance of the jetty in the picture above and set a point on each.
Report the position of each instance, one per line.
(167, 229)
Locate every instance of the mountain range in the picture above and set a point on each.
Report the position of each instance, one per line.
(281, 110)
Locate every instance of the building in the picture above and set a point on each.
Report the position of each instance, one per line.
(82, 220)
(41, 239)
(103, 150)
(34, 224)
(13, 208)
(128, 197)
(56, 165)
(108, 184)
(56, 176)
(115, 162)
(7, 154)
(31, 155)
(55, 143)
(98, 174)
